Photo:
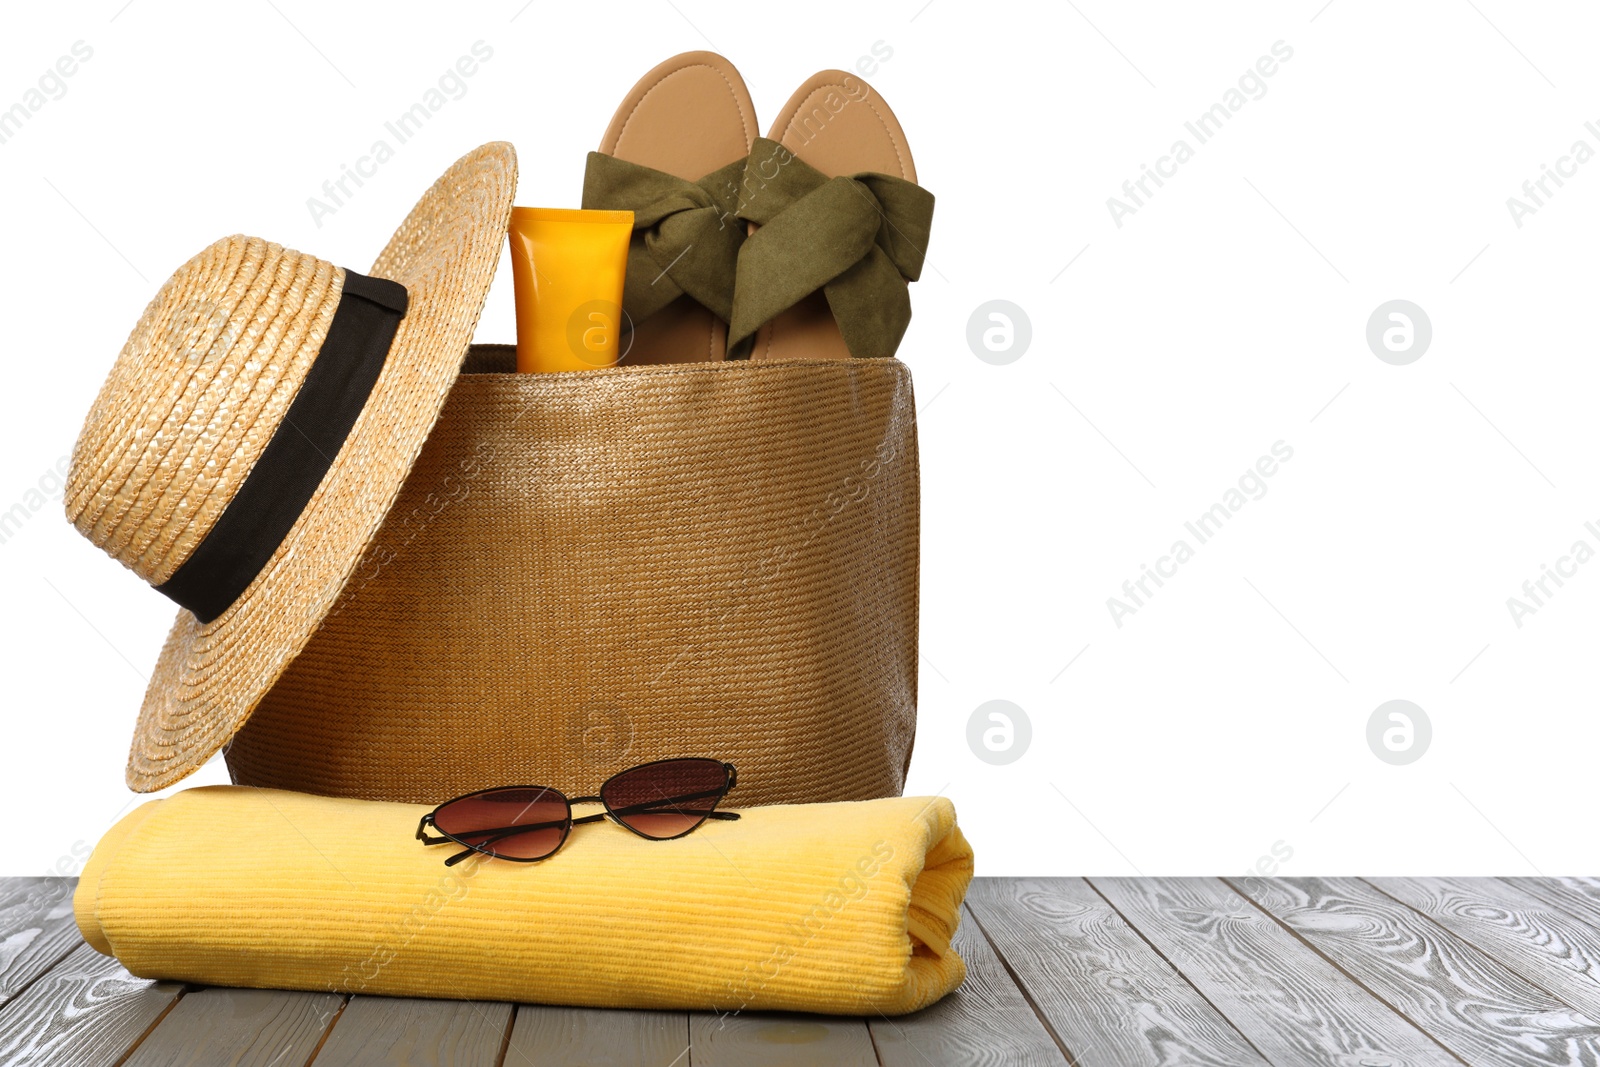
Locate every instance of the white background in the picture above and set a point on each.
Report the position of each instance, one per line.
(1228, 714)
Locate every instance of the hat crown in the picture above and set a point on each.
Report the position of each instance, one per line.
(197, 392)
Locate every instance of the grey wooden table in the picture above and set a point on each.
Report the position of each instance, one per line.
(1342, 972)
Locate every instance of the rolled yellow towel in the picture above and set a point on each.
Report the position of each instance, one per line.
(838, 908)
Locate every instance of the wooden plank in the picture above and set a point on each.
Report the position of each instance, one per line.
(779, 1039)
(410, 1032)
(985, 1023)
(85, 1009)
(1578, 897)
(1548, 947)
(240, 1028)
(1473, 1005)
(1111, 999)
(36, 929)
(1294, 1005)
(577, 1037)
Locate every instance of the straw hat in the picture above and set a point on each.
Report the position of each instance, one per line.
(255, 431)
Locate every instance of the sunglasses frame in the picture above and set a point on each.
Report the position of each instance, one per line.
(729, 770)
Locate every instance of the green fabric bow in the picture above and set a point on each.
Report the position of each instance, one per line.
(858, 238)
(686, 237)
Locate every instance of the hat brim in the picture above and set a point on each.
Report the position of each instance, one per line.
(211, 676)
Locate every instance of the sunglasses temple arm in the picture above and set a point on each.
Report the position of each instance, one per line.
(426, 821)
(497, 832)
(495, 837)
(651, 805)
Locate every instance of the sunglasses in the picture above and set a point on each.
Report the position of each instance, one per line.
(526, 823)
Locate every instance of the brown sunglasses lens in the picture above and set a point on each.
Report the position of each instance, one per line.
(666, 799)
(519, 823)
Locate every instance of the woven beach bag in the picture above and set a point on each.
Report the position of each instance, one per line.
(591, 570)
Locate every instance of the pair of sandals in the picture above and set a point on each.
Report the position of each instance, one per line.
(797, 245)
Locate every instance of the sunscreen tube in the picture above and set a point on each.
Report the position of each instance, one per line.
(568, 267)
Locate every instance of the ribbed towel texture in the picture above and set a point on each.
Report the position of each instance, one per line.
(837, 908)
